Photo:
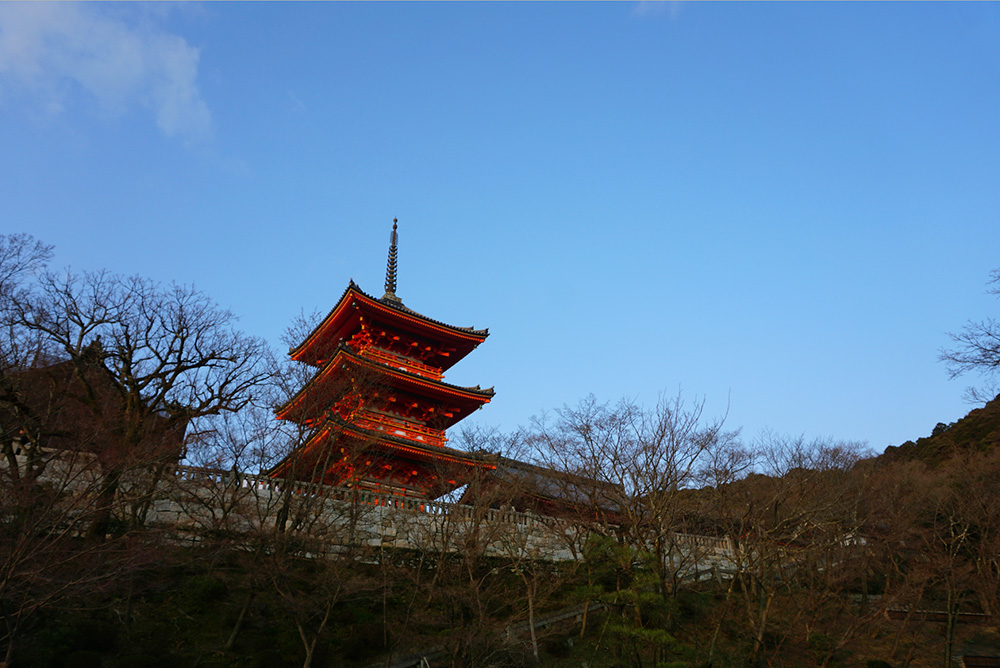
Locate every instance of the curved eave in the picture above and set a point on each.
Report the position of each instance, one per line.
(401, 380)
(333, 427)
(411, 381)
(467, 338)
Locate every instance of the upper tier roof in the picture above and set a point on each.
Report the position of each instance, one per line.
(345, 319)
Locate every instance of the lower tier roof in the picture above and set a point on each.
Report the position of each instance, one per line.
(339, 453)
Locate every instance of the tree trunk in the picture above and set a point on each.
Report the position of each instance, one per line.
(531, 620)
(101, 522)
(12, 465)
(11, 635)
(239, 621)
(140, 509)
(949, 630)
(759, 640)
(722, 619)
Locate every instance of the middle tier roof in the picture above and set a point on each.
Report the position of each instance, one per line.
(317, 395)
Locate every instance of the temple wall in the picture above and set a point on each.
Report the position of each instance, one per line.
(203, 500)
(190, 503)
(197, 500)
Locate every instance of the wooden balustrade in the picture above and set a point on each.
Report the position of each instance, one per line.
(401, 429)
(367, 497)
(411, 504)
(703, 542)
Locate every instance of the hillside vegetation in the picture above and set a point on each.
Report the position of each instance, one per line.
(692, 546)
(979, 431)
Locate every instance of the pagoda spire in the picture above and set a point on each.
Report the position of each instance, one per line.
(390, 270)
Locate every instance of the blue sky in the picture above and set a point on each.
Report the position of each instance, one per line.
(780, 207)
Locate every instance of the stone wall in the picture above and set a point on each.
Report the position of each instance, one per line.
(196, 500)
(191, 503)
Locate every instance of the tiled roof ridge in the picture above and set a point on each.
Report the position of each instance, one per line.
(351, 285)
(399, 306)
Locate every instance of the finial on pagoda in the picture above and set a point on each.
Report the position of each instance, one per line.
(390, 270)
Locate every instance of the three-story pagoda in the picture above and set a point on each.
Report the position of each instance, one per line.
(378, 406)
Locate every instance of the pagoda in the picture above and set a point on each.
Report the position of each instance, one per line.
(377, 406)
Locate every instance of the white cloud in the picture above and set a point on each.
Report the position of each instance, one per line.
(297, 106)
(645, 8)
(55, 51)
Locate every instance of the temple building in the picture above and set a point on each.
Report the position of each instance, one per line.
(78, 406)
(377, 407)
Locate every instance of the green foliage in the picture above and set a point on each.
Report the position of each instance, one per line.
(693, 605)
(819, 642)
(82, 658)
(558, 647)
(67, 634)
(361, 641)
(181, 610)
(203, 592)
(878, 663)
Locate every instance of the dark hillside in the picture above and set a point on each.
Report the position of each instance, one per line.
(979, 431)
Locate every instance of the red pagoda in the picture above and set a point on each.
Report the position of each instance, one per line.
(378, 406)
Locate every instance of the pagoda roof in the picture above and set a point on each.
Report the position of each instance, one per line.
(344, 317)
(398, 378)
(408, 448)
(378, 444)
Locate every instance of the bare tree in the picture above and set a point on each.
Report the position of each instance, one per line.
(145, 361)
(37, 521)
(21, 256)
(642, 466)
(977, 349)
(948, 550)
(100, 375)
(795, 535)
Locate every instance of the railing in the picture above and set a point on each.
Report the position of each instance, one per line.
(412, 432)
(703, 542)
(692, 542)
(412, 366)
(362, 496)
(220, 484)
(276, 486)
